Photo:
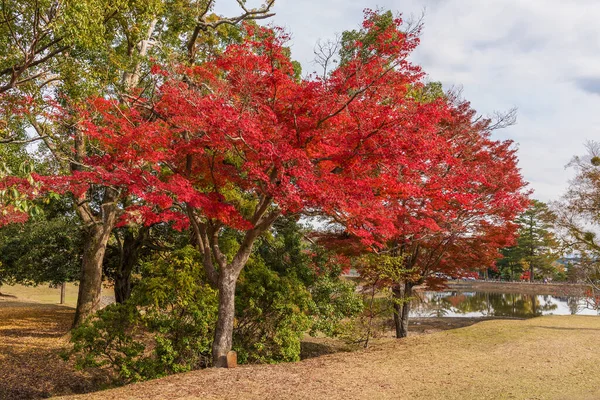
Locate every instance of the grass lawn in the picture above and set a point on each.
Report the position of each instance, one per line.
(551, 357)
(45, 294)
(42, 293)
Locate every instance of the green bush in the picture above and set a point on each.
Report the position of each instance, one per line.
(167, 325)
(286, 290)
(333, 302)
(272, 315)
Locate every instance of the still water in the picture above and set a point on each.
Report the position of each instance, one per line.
(483, 304)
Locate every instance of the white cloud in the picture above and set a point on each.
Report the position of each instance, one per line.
(542, 56)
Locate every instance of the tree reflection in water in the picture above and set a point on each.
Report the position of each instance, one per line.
(483, 304)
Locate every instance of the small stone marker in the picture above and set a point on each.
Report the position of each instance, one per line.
(231, 359)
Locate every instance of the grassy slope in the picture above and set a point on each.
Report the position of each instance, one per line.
(553, 357)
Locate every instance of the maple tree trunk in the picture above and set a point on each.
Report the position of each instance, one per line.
(90, 283)
(128, 259)
(224, 330)
(398, 296)
(405, 310)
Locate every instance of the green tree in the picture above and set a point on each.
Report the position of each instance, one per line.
(45, 249)
(537, 247)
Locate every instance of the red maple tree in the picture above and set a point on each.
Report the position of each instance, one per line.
(463, 213)
(240, 140)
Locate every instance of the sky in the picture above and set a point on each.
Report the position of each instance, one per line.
(541, 56)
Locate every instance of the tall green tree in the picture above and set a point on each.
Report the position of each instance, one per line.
(537, 247)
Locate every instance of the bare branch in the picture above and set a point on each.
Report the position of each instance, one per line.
(325, 53)
(203, 24)
(501, 120)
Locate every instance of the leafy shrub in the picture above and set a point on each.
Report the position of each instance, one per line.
(333, 302)
(272, 315)
(167, 325)
(286, 290)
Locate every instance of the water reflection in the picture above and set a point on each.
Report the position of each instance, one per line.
(484, 304)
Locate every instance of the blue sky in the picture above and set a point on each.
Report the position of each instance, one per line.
(541, 56)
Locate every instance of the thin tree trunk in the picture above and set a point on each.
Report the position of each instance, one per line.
(228, 275)
(531, 272)
(63, 289)
(398, 297)
(224, 330)
(405, 309)
(206, 238)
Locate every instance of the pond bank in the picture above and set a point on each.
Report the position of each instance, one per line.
(553, 289)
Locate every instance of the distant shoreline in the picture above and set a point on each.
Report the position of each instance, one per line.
(553, 289)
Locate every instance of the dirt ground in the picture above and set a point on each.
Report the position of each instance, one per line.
(551, 357)
(548, 357)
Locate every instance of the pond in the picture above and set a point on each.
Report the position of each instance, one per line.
(484, 304)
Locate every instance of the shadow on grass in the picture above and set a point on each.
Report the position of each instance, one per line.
(557, 328)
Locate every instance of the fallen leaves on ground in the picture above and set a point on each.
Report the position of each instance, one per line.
(31, 338)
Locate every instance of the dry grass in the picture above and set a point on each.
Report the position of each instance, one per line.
(554, 357)
(31, 337)
(45, 294)
(32, 334)
(42, 293)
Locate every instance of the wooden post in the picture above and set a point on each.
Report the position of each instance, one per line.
(63, 289)
(231, 359)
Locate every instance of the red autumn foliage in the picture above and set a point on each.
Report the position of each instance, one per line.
(239, 140)
(242, 123)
